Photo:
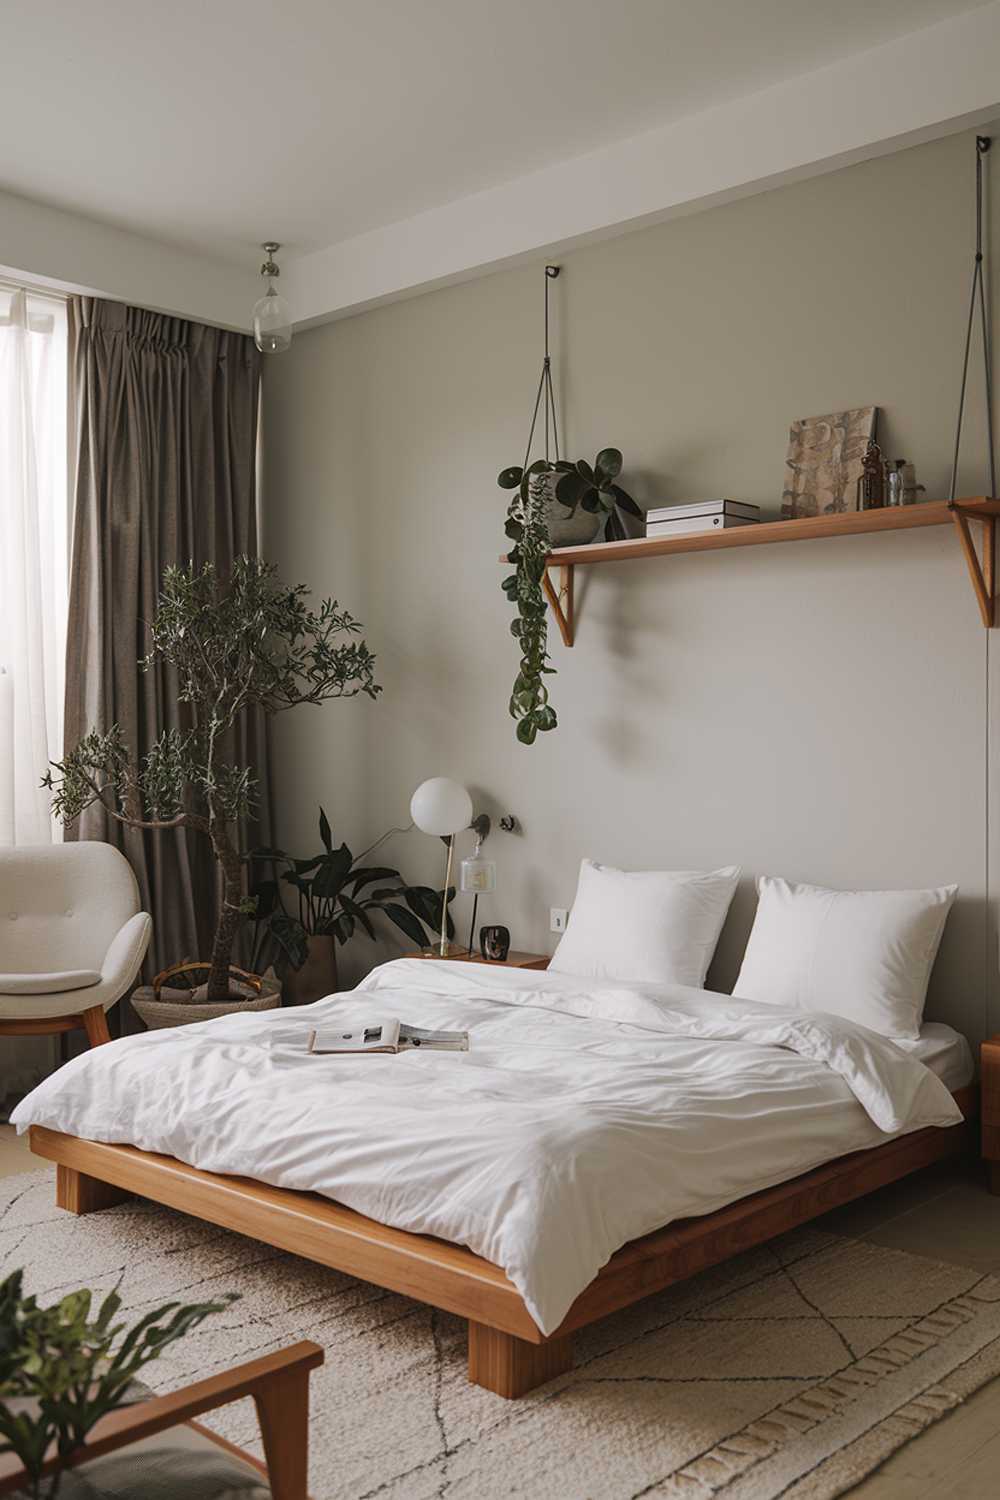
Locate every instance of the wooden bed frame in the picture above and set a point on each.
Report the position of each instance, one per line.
(507, 1352)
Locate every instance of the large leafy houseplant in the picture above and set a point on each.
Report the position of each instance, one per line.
(592, 488)
(332, 895)
(246, 642)
(64, 1367)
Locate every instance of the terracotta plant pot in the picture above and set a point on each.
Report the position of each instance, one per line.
(317, 977)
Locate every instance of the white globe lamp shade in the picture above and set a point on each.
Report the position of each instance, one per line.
(441, 806)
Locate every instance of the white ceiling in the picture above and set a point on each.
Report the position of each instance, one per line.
(213, 124)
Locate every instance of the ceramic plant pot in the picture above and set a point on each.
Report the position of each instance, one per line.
(568, 529)
(317, 977)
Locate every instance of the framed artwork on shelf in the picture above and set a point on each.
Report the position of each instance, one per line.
(824, 461)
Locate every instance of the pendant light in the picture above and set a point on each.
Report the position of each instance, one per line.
(272, 322)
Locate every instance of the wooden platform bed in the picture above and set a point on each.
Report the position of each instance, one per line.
(507, 1352)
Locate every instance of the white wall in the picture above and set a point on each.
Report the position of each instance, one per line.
(814, 711)
(74, 253)
(911, 89)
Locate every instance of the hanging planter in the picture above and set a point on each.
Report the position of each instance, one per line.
(527, 529)
(555, 503)
(527, 526)
(593, 492)
(567, 527)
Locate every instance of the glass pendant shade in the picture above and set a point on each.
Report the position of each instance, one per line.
(272, 323)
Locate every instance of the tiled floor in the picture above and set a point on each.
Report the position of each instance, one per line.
(944, 1212)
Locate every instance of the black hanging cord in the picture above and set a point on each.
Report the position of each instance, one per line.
(978, 294)
(545, 386)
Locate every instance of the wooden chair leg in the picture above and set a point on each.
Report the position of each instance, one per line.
(81, 1194)
(283, 1413)
(510, 1366)
(95, 1024)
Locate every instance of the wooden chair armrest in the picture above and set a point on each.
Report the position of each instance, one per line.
(277, 1382)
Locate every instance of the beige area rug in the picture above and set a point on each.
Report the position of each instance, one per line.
(793, 1370)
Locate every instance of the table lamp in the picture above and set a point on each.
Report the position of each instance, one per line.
(442, 807)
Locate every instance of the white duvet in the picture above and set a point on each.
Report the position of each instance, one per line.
(584, 1115)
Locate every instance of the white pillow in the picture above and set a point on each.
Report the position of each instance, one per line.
(656, 926)
(863, 955)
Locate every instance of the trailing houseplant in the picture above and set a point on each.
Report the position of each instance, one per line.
(64, 1367)
(574, 486)
(246, 642)
(527, 528)
(332, 896)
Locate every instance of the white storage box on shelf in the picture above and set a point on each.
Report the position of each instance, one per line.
(700, 515)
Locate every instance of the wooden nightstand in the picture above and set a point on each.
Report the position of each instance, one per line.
(514, 959)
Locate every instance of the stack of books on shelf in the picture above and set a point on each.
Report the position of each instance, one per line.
(700, 515)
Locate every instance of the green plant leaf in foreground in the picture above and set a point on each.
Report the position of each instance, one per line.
(67, 1367)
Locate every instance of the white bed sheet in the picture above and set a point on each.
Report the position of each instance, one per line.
(584, 1115)
(945, 1051)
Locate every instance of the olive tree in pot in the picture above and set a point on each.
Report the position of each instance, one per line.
(235, 644)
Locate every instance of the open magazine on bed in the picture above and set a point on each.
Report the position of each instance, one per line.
(385, 1036)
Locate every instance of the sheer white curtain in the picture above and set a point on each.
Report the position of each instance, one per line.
(33, 556)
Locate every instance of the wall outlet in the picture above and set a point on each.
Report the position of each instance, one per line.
(558, 917)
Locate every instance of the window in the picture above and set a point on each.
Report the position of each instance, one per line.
(34, 526)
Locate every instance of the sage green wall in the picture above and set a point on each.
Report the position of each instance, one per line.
(819, 712)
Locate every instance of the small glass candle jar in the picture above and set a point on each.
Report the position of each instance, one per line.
(478, 875)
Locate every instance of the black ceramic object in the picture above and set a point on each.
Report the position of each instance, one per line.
(494, 943)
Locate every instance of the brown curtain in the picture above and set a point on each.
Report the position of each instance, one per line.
(164, 420)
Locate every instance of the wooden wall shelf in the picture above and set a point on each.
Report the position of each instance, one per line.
(845, 523)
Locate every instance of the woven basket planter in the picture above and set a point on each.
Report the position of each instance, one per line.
(159, 1005)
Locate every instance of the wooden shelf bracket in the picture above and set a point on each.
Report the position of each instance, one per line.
(561, 600)
(981, 573)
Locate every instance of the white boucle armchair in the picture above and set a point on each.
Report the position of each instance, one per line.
(72, 937)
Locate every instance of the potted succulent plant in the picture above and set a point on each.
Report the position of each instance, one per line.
(332, 897)
(250, 641)
(545, 493)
